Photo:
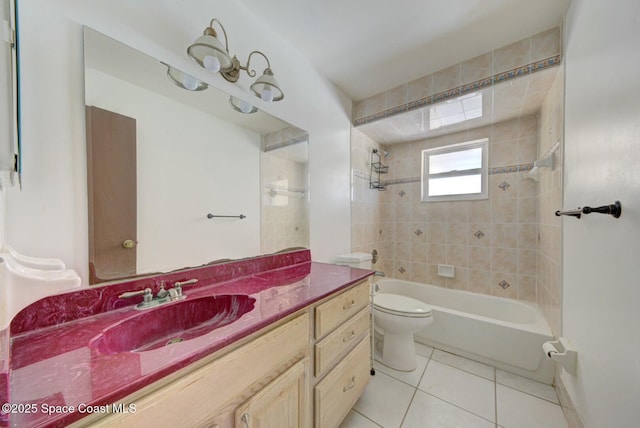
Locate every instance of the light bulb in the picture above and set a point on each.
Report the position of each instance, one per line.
(266, 94)
(211, 63)
(189, 82)
(245, 107)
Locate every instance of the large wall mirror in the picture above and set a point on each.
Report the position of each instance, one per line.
(176, 176)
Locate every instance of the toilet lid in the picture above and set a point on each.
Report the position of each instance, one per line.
(401, 305)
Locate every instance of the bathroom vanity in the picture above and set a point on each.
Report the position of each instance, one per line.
(295, 353)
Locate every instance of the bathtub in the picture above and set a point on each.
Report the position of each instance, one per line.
(504, 333)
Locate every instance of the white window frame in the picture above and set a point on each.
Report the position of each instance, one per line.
(483, 170)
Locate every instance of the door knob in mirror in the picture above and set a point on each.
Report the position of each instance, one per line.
(128, 243)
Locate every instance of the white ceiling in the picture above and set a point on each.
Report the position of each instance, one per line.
(368, 46)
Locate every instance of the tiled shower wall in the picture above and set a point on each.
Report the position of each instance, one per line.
(284, 220)
(366, 206)
(549, 194)
(508, 245)
(492, 243)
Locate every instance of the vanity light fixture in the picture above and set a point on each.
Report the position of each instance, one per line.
(184, 80)
(213, 56)
(241, 105)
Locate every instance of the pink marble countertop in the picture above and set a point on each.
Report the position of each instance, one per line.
(54, 365)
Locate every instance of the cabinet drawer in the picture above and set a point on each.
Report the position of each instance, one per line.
(338, 342)
(331, 314)
(336, 394)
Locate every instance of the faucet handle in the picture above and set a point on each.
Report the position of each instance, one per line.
(147, 294)
(179, 284)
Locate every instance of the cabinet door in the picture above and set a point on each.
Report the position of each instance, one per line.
(283, 403)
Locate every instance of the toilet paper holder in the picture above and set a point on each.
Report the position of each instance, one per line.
(563, 352)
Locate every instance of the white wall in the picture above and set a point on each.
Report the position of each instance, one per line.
(49, 216)
(601, 297)
(189, 164)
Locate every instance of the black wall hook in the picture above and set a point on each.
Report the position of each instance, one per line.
(614, 210)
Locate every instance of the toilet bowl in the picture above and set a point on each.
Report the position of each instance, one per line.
(399, 317)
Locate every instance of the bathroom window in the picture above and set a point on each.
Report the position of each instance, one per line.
(456, 172)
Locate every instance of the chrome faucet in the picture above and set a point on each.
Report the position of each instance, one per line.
(163, 296)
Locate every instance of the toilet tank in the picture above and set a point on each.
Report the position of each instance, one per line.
(356, 260)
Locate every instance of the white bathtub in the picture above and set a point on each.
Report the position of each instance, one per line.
(503, 333)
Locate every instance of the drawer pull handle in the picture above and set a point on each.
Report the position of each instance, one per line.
(349, 305)
(351, 336)
(351, 385)
(245, 419)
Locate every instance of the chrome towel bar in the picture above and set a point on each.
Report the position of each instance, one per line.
(241, 216)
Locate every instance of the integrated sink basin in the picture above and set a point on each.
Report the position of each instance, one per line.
(172, 323)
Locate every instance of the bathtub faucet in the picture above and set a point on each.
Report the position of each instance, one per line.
(379, 273)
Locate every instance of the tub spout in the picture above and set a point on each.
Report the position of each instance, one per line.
(379, 273)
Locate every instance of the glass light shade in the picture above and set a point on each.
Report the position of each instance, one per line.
(209, 46)
(241, 105)
(266, 87)
(184, 80)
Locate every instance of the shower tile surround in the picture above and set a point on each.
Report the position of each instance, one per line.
(549, 195)
(284, 218)
(507, 245)
(492, 243)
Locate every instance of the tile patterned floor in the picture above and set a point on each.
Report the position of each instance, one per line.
(450, 391)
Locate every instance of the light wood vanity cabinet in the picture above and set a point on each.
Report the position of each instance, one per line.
(264, 379)
(269, 381)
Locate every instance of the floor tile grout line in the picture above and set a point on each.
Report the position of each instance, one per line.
(454, 367)
(495, 395)
(466, 371)
(528, 393)
(457, 406)
(415, 388)
(367, 418)
(403, 381)
(406, 412)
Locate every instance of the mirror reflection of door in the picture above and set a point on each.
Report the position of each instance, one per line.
(111, 172)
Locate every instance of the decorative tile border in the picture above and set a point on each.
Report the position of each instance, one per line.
(492, 171)
(511, 169)
(461, 90)
(289, 142)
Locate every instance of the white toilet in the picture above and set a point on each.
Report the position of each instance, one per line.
(397, 317)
